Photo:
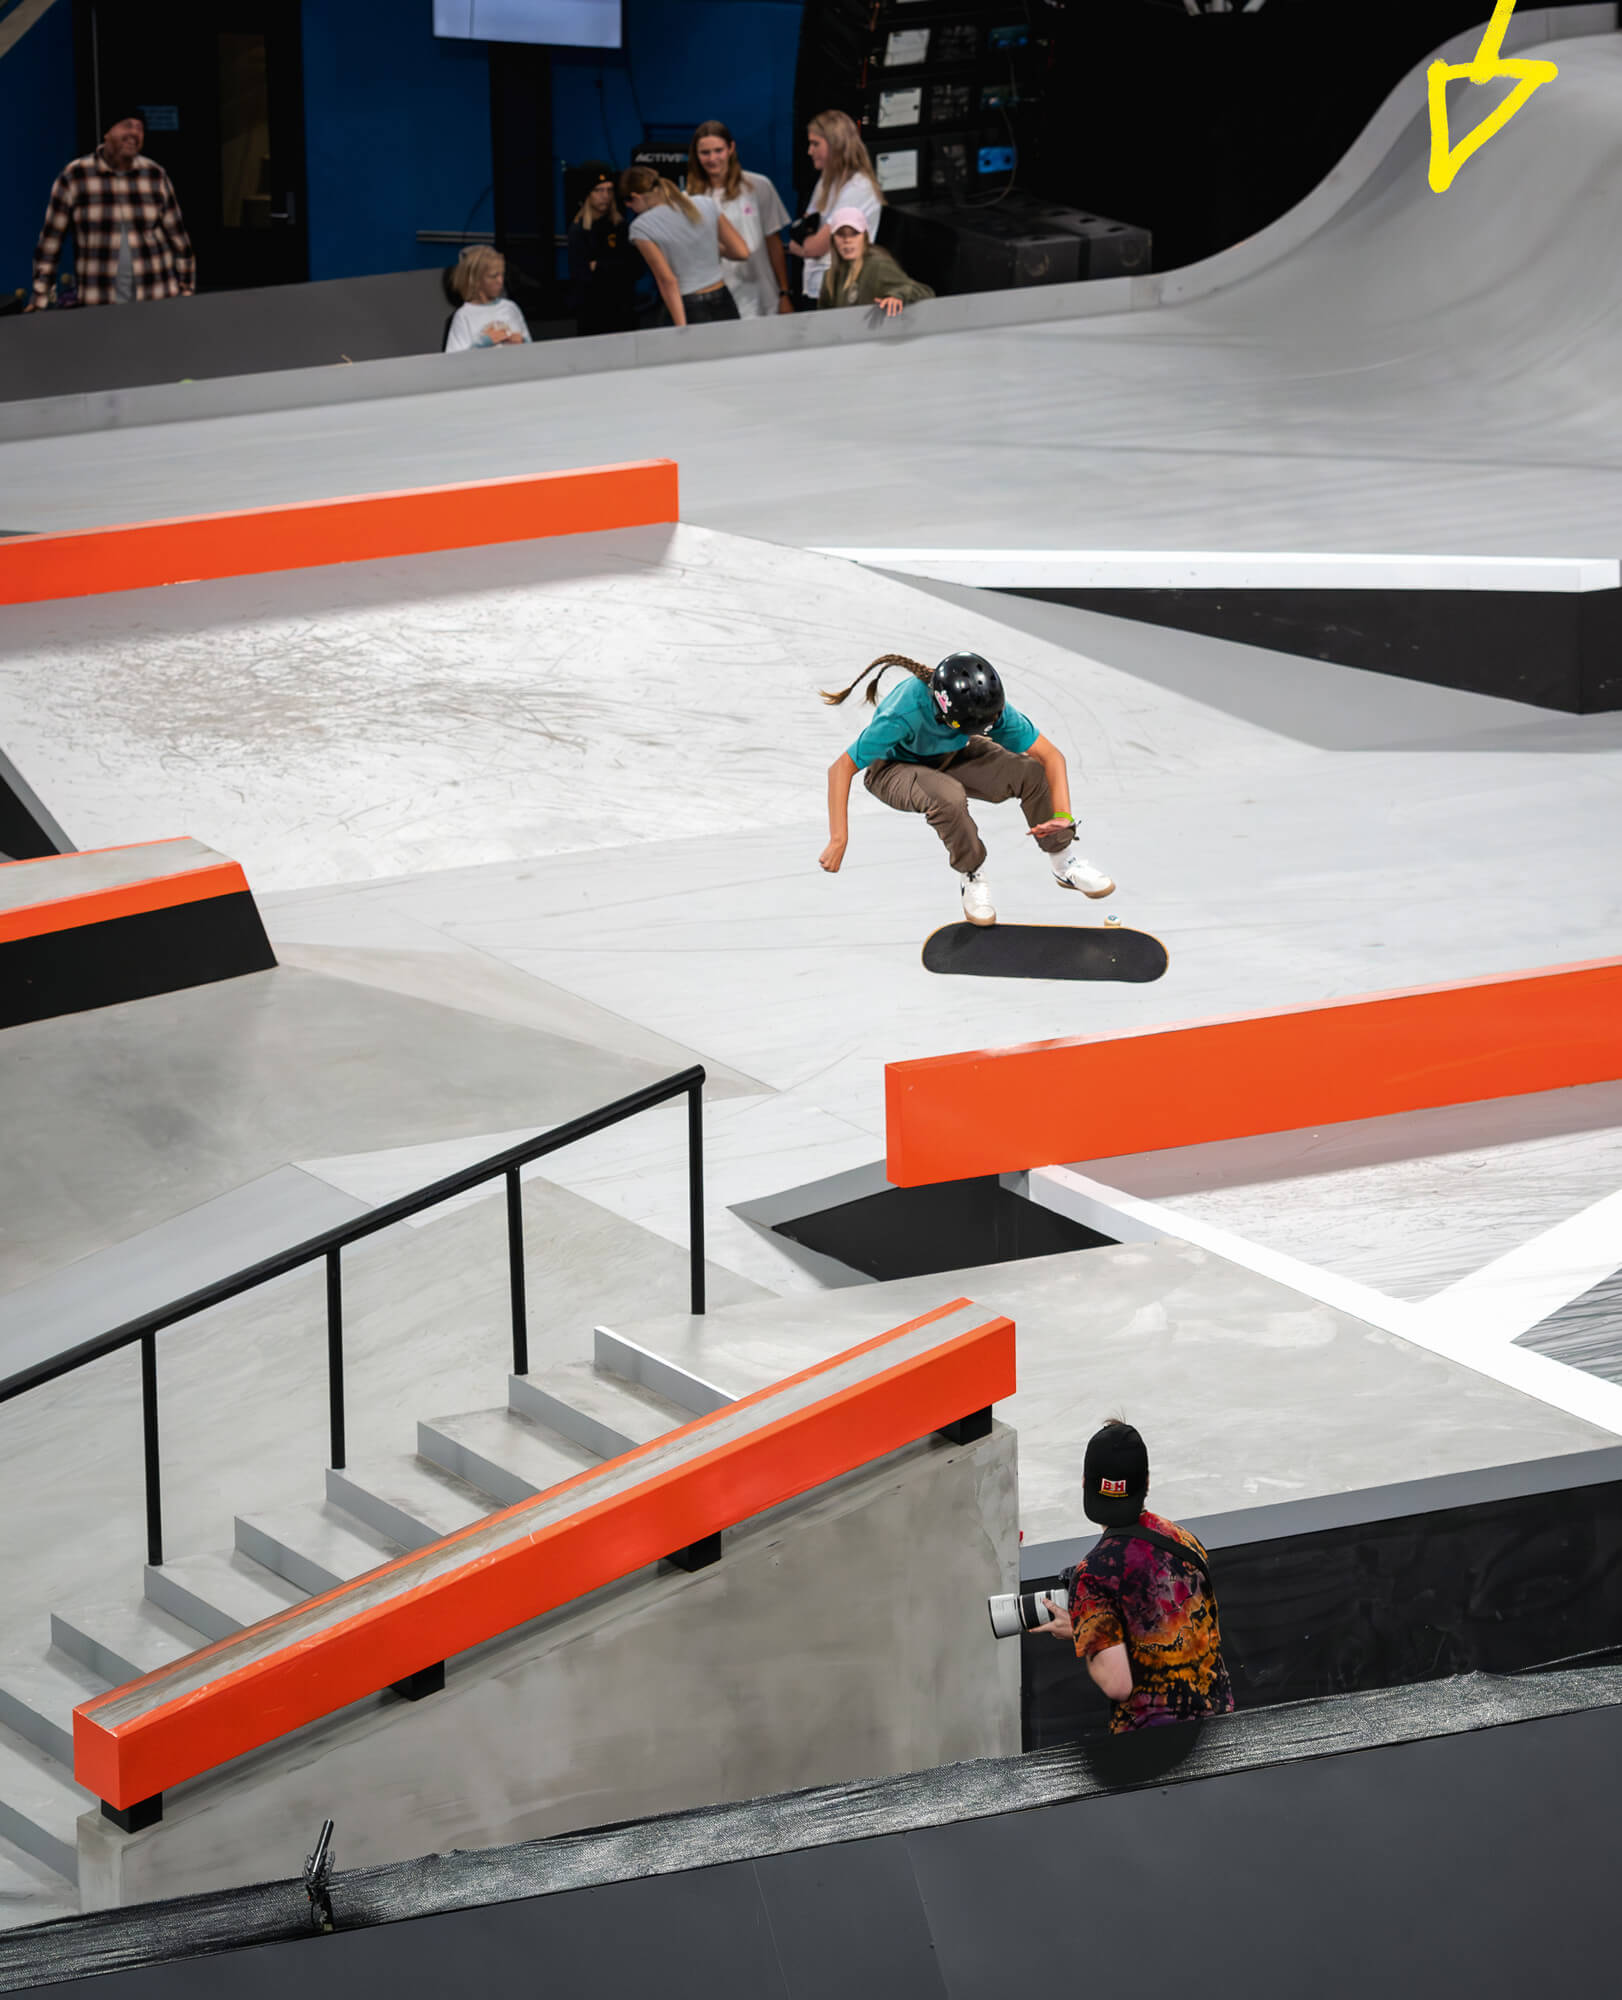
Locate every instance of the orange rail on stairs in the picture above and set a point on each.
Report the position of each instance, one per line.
(134, 1742)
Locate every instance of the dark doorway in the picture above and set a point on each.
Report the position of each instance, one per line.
(221, 86)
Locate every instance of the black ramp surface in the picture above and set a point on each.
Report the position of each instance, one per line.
(134, 957)
(847, 1920)
(1476, 1862)
(1045, 951)
(1465, 1865)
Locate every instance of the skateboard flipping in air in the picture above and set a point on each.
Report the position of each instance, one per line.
(948, 735)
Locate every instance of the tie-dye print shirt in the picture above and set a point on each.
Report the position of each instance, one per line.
(1129, 1592)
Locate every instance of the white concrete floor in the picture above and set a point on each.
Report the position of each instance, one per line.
(619, 740)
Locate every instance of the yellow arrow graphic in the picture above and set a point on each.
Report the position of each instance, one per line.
(1488, 63)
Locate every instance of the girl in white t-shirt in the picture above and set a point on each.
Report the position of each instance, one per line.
(485, 318)
(755, 209)
(845, 179)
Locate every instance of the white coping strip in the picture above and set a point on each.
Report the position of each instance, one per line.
(1212, 569)
(1452, 1334)
(1515, 1292)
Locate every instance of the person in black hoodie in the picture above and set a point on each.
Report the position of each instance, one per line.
(602, 270)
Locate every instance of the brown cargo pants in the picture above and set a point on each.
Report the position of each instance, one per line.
(980, 770)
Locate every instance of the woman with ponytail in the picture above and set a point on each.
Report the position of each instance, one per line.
(845, 179)
(944, 736)
(683, 238)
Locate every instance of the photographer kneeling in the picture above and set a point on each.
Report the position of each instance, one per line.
(1141, 1612)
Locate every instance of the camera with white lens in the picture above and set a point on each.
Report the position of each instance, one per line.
(1019, 1611)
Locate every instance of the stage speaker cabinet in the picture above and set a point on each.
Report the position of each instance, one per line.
(1109, 249)
(922, 240)
(991, 249)
(999, 252)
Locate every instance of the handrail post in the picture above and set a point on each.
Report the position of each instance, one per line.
(695, 1191)
(335, 1355)
(149, 1440)
(515, 1271)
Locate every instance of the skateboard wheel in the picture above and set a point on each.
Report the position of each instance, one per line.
(1112, 920)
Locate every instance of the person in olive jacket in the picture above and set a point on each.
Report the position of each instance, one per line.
(862, 274)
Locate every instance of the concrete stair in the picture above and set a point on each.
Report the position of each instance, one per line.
(40, 1805)
(604, 1413)
(502, 1452)
(557, 1423)
(407, 1499)
(220, 1594)
(317, 1546)
(123, 1640)
(618, 1355)
(31, 1891)
(39, 1692)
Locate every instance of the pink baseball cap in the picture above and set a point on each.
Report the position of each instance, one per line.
(848, 218)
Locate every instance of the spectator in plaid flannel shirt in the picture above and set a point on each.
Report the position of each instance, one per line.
(129, 241)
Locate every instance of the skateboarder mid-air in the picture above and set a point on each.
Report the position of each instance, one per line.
(942, 738)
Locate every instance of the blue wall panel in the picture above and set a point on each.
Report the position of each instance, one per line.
(397, 125)
(685, 61)
(397, 120)
(37, 136)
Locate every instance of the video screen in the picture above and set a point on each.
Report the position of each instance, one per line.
(906, 48)
(900, 107)
(898, 172)
(1018, 36)
(570, 24)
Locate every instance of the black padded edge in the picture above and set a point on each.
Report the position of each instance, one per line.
(132, 958)
(1553, 649)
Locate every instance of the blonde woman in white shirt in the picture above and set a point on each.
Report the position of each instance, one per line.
(845, 179)
(485, 318)
(755, 209)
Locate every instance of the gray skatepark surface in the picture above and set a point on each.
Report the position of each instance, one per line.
(1435, 373)
(531, 824)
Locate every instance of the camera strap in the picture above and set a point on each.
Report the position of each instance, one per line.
(1139, 1533)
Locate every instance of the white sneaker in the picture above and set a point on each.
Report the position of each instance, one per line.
(977, 904)
(1073, 871)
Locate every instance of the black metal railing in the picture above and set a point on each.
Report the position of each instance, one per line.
(332, 1243)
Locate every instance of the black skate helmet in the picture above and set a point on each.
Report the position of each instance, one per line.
(968, 693)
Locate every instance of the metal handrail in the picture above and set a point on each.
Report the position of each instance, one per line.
(331, 1243)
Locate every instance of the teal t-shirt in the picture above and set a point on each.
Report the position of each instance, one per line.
(908, 729)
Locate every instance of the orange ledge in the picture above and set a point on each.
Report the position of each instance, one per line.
(129, 899)
(35, 568)
(317, 1673)
(993, 1111)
